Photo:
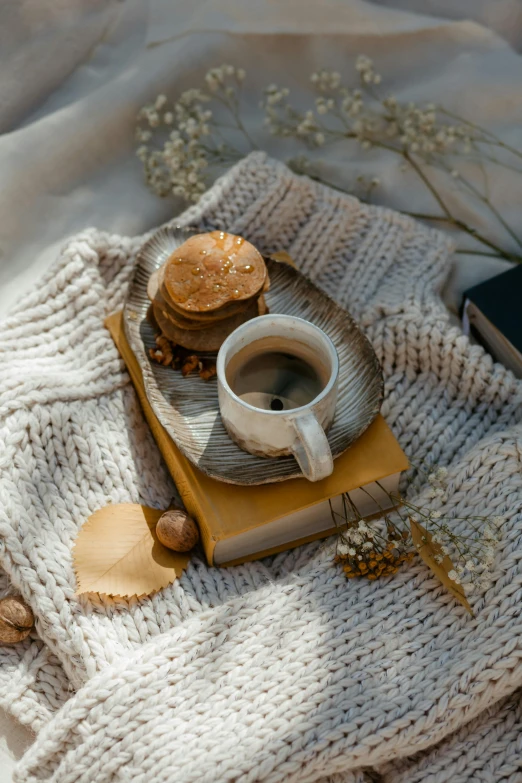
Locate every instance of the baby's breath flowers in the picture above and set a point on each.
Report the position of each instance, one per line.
(370, 550)
(378, 548)
(178, 167)
(184, 145)
(187, 135)
(423, 136)
(361, 114)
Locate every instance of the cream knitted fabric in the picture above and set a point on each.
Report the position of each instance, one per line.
(488, 750)
(280, 670)
(33, 685)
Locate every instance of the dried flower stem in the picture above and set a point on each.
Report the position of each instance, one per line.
(485, 136)
(363, 544)
(196, 143)
(446, 218)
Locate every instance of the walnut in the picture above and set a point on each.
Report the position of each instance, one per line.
(190, 364)
(177, 531)
(168, 353)
(163, 353)
(16, 620)
(207, 371)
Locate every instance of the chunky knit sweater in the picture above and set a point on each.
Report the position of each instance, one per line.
(280, 670)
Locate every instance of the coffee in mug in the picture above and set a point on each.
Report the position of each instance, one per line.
(277, 374)
(277, 382)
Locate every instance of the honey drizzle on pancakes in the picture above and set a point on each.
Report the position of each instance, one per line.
(211, 270)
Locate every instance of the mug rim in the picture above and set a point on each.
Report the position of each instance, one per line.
(221, 374)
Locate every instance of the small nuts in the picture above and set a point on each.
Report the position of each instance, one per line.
(177, 531)
(207, 371)
(16, 620)
(191, 363)
(168, 353)
(163, 353)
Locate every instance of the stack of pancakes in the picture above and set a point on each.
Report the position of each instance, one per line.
(209, 286)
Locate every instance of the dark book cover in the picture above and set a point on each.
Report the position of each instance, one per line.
(500, 300)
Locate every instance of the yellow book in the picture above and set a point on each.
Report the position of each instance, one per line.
(239, 523)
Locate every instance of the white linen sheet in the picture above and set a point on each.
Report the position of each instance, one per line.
(75, 72)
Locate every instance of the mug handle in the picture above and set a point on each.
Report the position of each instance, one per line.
(312, 450)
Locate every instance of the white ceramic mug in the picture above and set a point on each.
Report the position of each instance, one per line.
(296, 428)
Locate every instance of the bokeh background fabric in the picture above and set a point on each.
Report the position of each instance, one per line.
(74, 73)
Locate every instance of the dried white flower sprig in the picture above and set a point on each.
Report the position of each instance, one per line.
(460, 550)
(190, 135)
(185, 145)
(425, 137)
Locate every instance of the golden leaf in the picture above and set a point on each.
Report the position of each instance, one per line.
(117, 553)
(428, 549)
(286, 258)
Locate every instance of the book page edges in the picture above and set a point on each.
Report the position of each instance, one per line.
(275, 550)
(225, 510)
(490, 336)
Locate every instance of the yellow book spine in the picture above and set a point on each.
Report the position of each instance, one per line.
(179, 467)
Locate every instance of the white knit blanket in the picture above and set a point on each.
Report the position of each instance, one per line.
(280, 671)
